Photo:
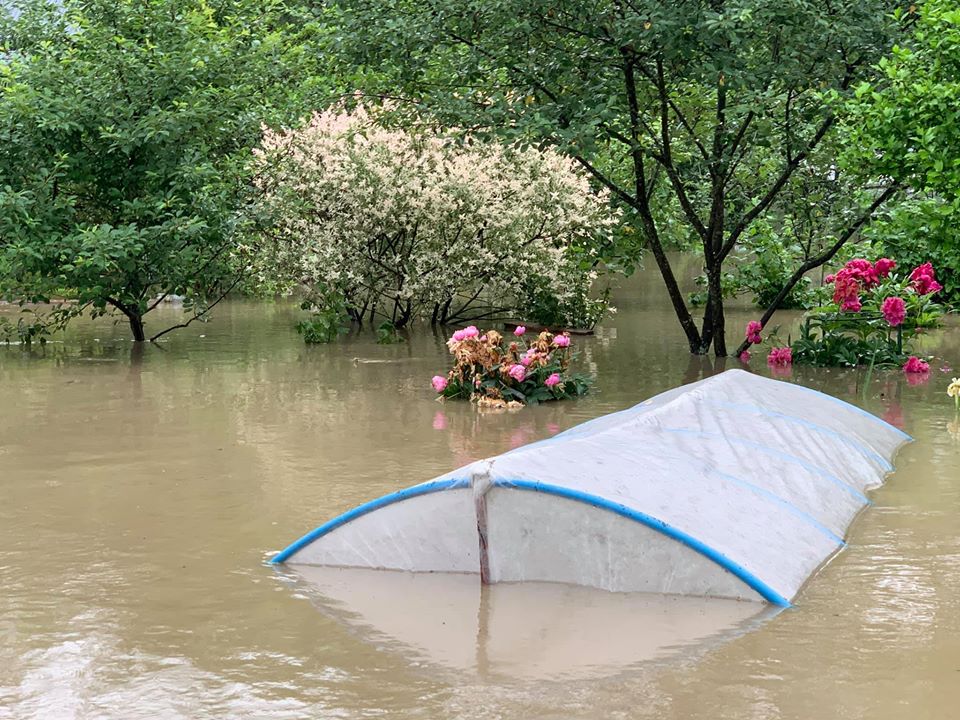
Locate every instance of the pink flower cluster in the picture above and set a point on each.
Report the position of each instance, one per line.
(465, 334)
(857, 275)
(915, 365)
(517, 372)
(780, 356)
(561, 341)
(753, 332)
(439, 383)
(552, 380)
(925, 280)
(894, 310)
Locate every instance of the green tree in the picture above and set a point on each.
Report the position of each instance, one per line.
(125, 131)
(905, 125)
(709, 108)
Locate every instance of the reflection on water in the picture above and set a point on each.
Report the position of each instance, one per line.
(141, 491)
(548, 631)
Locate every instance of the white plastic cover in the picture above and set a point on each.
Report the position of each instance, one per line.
(735, 486)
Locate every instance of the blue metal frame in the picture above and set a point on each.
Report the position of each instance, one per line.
(406, 494)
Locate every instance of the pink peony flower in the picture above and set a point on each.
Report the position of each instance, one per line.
(553, 380)
(780, 356)
(829, 278)
(527, 358)
(894, 310)
(465, 334)
(915, 365)
(562, 341)
(517, 372)
(851, 305)
(439, 383)
(924, 280)
(883, 266)
(846, 292)
(520, 330)
(862, 271)
(745, 356)
(753, 332)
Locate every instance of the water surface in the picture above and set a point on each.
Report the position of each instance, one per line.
(142, 491)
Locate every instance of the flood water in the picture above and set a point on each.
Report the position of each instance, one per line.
(141, 494)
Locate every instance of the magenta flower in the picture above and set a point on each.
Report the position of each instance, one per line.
(862, 271)
(439, 383)
(846, 292)
(527, 358)
(465, 334)
(517, 372)
(915, 365)
(781, 356)
(924, 280)
(745, 356)
(562, 340)
(553, 380)
(829, 278)
(753, 332)
(883, 266)
(894, 310)
(519, 330)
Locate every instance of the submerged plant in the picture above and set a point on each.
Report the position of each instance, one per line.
(494, 372)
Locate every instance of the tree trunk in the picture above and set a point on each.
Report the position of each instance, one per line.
(136, 327)
(717, 321)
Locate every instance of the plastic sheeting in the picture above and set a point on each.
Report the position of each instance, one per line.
(736, 486)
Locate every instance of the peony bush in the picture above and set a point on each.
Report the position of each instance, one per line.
(873, 314)
(495, 372)
(421, 224)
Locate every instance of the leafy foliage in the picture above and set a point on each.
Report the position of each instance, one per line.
(904, 124)
(325, 323)
(920, 229)
(387, 334)
(125, 128)
(693, 113)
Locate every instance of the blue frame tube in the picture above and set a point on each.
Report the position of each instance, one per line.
(368, 507)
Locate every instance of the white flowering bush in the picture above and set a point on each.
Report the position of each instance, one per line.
(416, 224)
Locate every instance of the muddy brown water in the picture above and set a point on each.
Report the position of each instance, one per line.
(142, 492)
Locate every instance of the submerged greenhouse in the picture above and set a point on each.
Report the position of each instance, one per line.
(736, 486)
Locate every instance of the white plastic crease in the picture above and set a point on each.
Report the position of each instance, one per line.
(736, 486)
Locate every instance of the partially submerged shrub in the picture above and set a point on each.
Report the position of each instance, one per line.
(873, 314)
(492, 371)
(409, 225)
(327, 321)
